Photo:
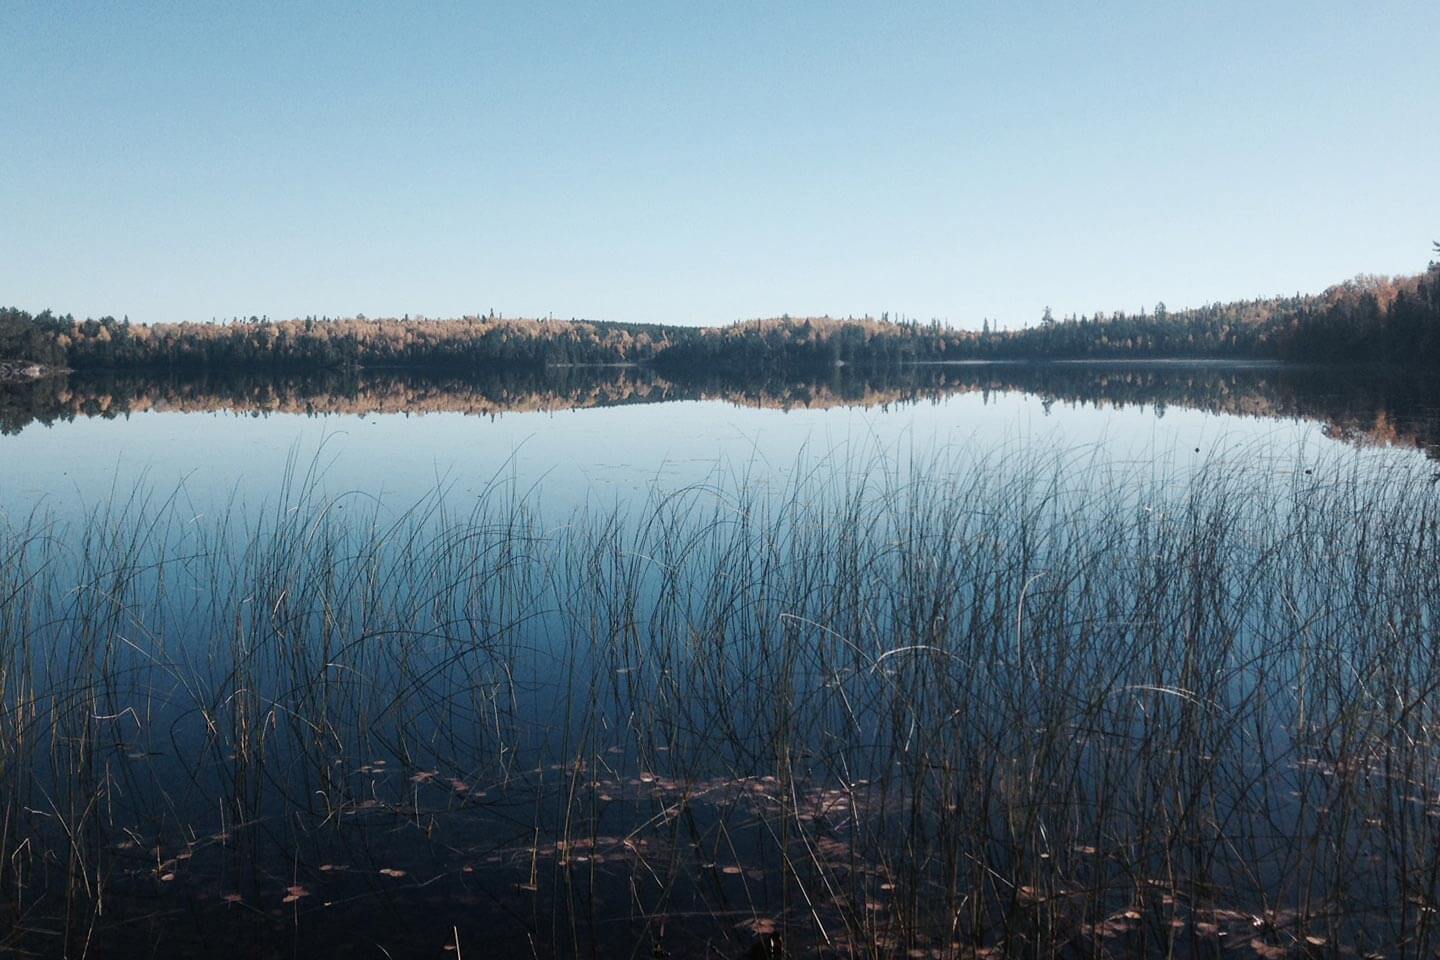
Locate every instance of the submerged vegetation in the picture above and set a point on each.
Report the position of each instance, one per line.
(1367, 320)
(1013, 705)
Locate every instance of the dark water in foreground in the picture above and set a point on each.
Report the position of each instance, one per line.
(956, 661)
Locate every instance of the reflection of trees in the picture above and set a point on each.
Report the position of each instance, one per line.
(355, 393)
(1357, 406)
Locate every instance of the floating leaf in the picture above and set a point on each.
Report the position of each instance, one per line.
(391, 872)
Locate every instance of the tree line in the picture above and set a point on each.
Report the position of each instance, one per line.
(1365, 320)
(1368, 319)
(316, 343)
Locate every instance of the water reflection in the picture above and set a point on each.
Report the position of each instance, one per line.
(1366, 406)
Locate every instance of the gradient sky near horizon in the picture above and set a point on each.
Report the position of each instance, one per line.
(700, 163)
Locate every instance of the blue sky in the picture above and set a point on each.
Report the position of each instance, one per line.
(706, 162)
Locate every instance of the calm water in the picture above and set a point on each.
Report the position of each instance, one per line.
(642, 673)
(602, 436)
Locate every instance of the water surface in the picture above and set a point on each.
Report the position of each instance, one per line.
(945, 659)
(600, 434)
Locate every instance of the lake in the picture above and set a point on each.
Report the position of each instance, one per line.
(944, 660)
(597, 435)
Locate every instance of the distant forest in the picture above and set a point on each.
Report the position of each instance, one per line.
(1365, 320)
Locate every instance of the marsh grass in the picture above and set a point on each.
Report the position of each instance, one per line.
(1010, 705)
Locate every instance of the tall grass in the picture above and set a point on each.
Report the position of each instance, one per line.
(1005, 705)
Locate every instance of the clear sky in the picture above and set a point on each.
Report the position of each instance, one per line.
(692, 163)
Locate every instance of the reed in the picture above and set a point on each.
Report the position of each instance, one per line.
(1013, 705)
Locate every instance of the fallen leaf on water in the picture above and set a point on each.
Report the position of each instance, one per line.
(294, 893)
(732, 870)
(391, 872)
(232, 898)
(166, 877)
